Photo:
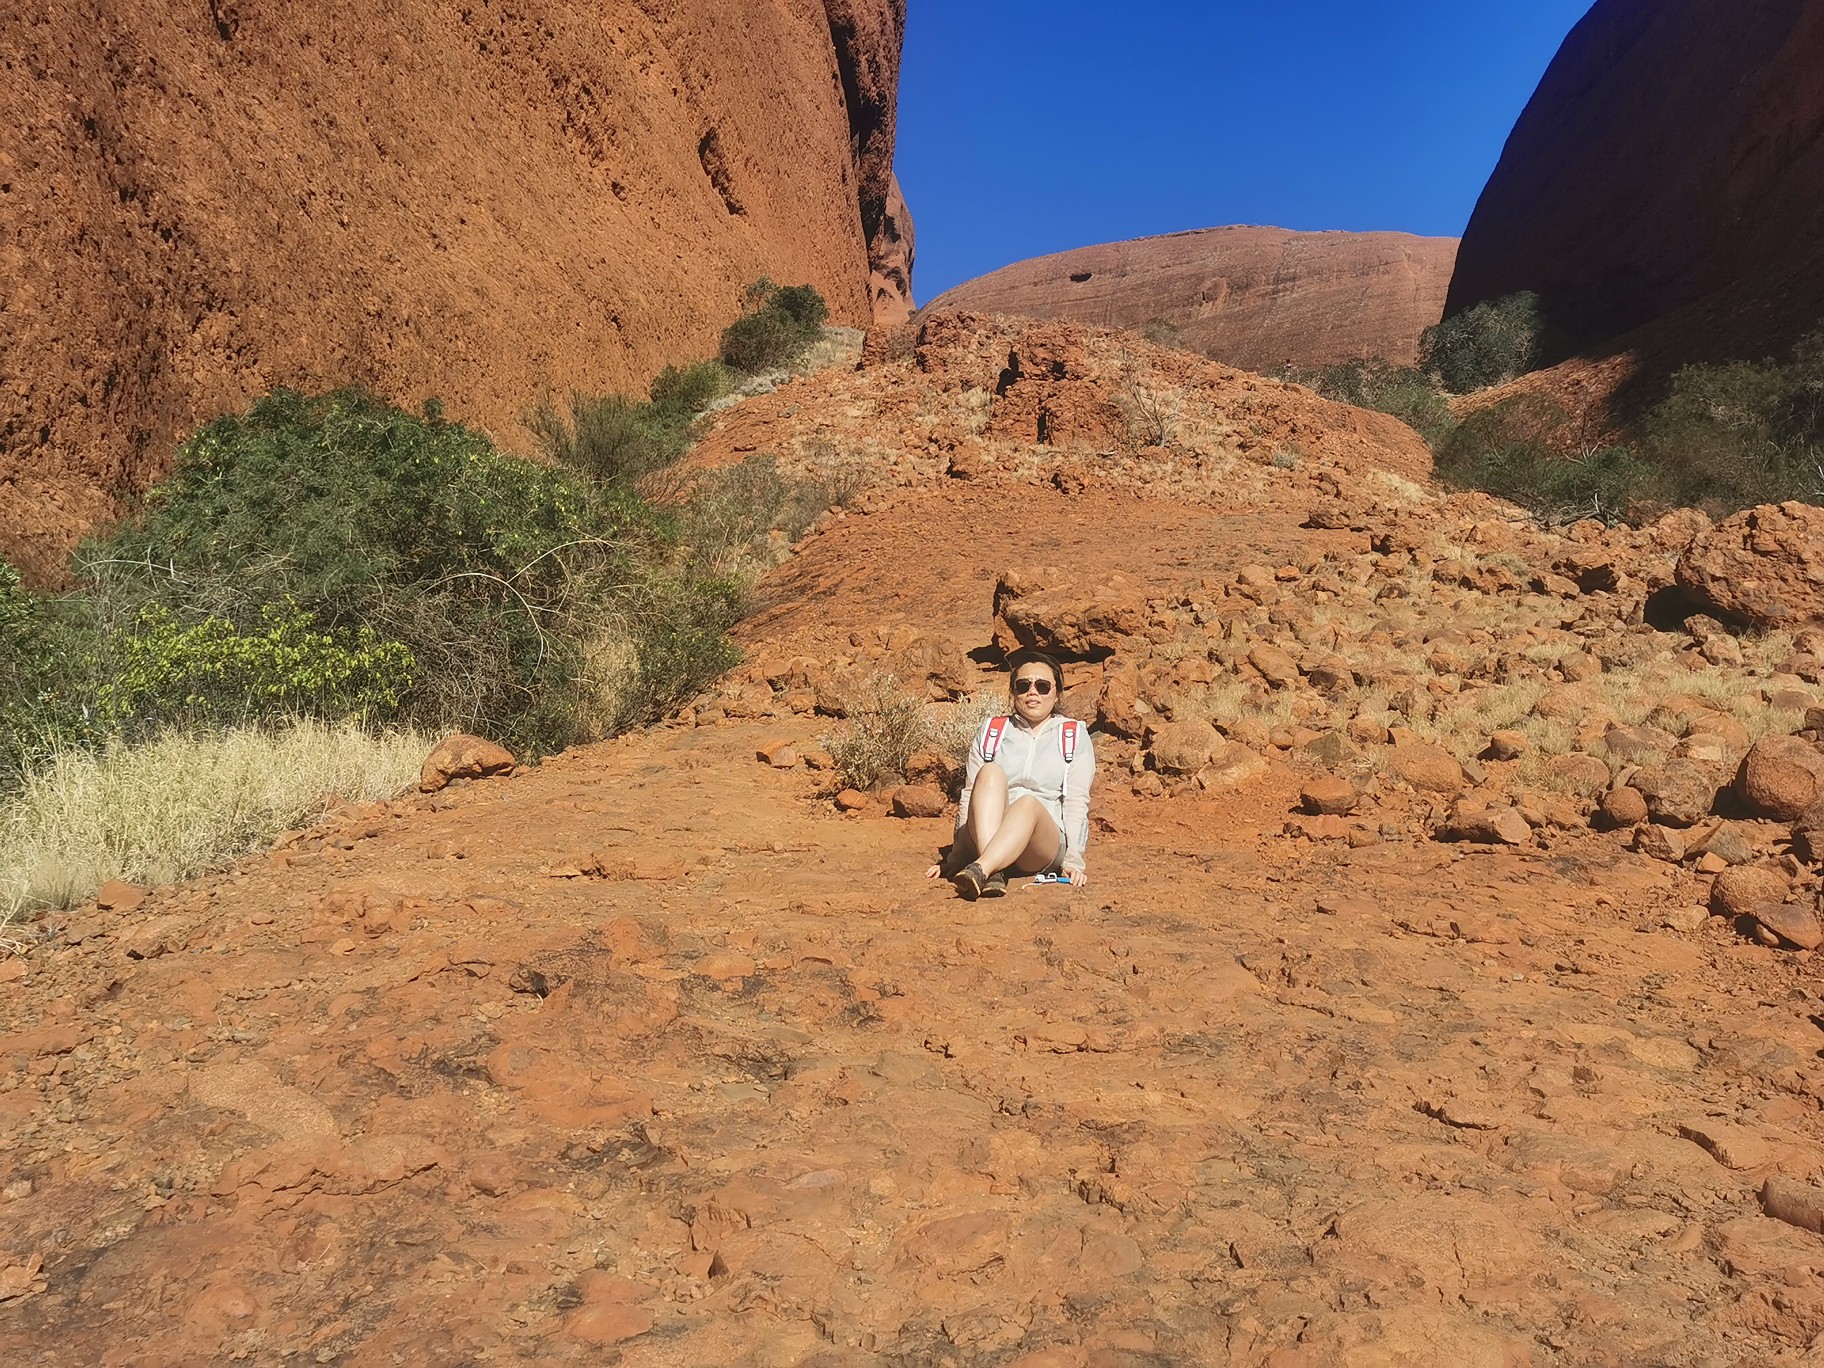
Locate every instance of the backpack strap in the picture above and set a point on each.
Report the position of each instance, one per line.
(991, 741)
(1067, 738)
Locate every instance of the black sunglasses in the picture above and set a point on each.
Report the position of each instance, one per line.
(1041, 687)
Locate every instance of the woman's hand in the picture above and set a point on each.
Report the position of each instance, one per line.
(1078, 879)
(936, 871)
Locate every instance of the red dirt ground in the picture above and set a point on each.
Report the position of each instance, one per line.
(648, 1056)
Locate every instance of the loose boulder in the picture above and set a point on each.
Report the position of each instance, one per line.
(1744, 890)
(1781, 776)
(1678, 793)
(917, 800)
(1764, 566)
(463, 756)
(1428, 768)
(1183, 748)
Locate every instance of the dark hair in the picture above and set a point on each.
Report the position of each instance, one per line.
(1029, 655)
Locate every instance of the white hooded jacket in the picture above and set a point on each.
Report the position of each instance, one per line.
(1033, 760)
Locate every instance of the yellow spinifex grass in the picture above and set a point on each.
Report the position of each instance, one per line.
(166, 809)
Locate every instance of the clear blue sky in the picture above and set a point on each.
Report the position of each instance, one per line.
(1027, 128)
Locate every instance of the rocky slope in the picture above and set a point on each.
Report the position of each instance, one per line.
(1258, 298)
(1444, 992)
(1660, 191)
(199, 203)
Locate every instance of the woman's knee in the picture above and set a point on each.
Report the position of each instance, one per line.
(991, 775)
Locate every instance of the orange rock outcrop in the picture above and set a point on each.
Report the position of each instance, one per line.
(199, 203)
(1258, 298)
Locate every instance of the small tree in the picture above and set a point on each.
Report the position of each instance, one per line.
(1485, 345)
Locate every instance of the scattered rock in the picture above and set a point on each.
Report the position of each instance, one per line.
(917, 800)
(1275, 666)
(853, 800)
(1763, 566)
(1580, 773)
(1183, 748)
(1621, 809)
(1731, 1146)
(117, 896)
(1726, 842)
(1659, 843)
(778, 754)
(1781, 776)
(1797, 1204)
(1329, 796)
(1744, 890)
(1678, 793)
(1506, 745)
(1685, 918)
(1793, 923)
(1232, 765)
(1428, 768)
(1486, 826)
(463, 756)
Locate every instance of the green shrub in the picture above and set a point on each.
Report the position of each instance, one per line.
(419, 562)
(1516, 448)
(615, 441)
(1404, 392)
(1733, 435)
(780, 323)
(678, 629)
(690, 390)
(727, 521)
(210, 672)
(621, 443)
(1485, 345)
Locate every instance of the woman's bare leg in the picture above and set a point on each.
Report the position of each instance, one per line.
(987, 808)
(1026, 838)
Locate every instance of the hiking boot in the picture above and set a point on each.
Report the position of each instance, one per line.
(971, 882)
(996, 884)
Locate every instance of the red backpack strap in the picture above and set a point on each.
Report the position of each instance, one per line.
(1067, 738)
(991, 742)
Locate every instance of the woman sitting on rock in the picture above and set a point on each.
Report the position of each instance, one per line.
(1025, 806)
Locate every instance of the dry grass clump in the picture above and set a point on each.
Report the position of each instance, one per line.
(888, 726)
(162, 811)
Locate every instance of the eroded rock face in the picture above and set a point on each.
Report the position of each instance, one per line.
(1258, 298)
(1764, 566)
(1665, 173)
(203, 202)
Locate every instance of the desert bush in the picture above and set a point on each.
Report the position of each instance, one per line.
(1739, 433)
(1516, 449)
(1726, 436)
(164, 809)
(780, 322)
(729, 515)
(620, 442)
(1162, 332)
(887, 727)
(412, 560)
(687, 391)
(1485, 345)
(676, 630)
(1404, 392)
(1152, 411)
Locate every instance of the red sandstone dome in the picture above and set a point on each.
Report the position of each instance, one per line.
(1258, 298)
(204, 201)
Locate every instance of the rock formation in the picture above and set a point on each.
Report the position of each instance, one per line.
(1665, 176)
(1258, 298)
(199, 203)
